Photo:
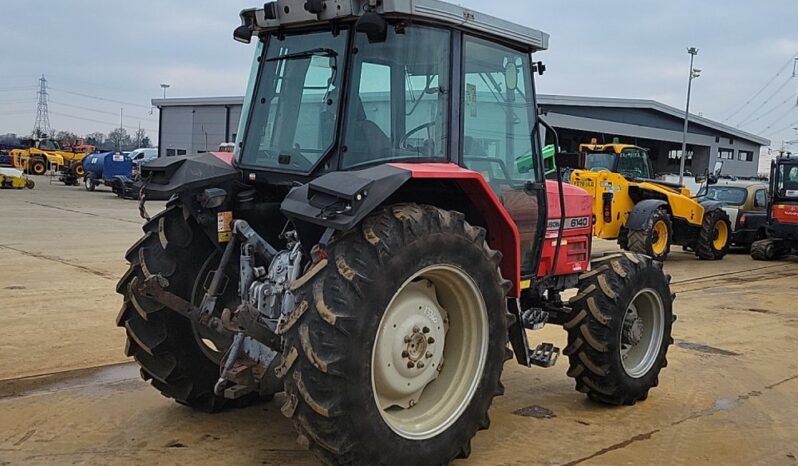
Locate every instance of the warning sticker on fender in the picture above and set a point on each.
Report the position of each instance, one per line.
(224, 226)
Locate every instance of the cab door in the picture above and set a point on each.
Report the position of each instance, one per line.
(499, 138)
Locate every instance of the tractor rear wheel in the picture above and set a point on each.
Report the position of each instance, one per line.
(179, 359)
(79, 170)
(619, 336)
(655, 239)
(715, 236)
(394, 352)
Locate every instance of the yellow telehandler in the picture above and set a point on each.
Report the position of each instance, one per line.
(647, 216)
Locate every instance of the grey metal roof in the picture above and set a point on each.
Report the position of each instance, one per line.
(579, 101)
(196, 101)
(543, 99)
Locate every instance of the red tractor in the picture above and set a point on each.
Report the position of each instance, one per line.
(381, 240)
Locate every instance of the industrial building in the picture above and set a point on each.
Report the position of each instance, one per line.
(197, 125)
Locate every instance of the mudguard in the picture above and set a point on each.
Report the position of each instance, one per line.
(165, 176)
(638, 218)
(341, 200)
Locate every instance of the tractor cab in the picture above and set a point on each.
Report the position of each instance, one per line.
(630, 161)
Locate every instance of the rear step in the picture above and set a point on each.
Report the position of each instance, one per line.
(545, 355)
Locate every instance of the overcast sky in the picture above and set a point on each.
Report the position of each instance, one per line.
(122, 51)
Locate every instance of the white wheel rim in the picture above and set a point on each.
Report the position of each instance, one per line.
(429, 352)
(641, 333)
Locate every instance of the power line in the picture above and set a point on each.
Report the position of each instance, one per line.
(18, 88)
(115, 125)
(765, 102)
(791, 125)
(773, 109)
(88, 109)
(102, 98)
(756, 94)
(780, 117)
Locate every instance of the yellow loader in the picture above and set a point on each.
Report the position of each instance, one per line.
(648, 216)
(43, 152)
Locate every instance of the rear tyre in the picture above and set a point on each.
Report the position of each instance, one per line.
(655, 239)
(394, 353)
(79, 170)
(715, 236)
(174, 356)
(619, 336)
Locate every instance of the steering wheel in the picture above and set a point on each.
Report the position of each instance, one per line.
(427, 126)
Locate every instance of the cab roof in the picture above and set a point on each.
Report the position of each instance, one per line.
(284, 14)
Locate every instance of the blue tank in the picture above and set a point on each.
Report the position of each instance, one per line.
(105, 166)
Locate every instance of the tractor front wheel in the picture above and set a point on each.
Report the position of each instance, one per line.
(655, 239)
(619, 335)
(715, 236)
(395, 349)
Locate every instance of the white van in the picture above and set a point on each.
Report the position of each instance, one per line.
(142, 155)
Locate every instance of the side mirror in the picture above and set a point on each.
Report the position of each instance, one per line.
(718, 169)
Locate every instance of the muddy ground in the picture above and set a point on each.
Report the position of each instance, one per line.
(68, 395)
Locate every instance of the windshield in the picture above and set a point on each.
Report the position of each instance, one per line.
(598, 161)
(726, 195)
(399, 98)
(787, 183)
(294, 107)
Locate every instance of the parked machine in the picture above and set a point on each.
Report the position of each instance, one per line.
(111, 169)
(374, 267)
(41, 153)
(781, 230)
(647, 216)
(11, 178)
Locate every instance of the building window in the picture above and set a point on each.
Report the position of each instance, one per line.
(674, 157)
(745, 156)
(173, 152)
(727, 154)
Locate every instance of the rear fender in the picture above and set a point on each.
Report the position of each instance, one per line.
(341, 200)
(638, 218)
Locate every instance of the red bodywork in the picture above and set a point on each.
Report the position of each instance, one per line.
(514, 220)
(785, 213)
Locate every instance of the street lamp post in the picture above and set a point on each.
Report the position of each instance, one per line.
(165, 86)
(694, 73)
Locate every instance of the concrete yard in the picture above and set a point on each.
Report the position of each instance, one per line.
(68, 395)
